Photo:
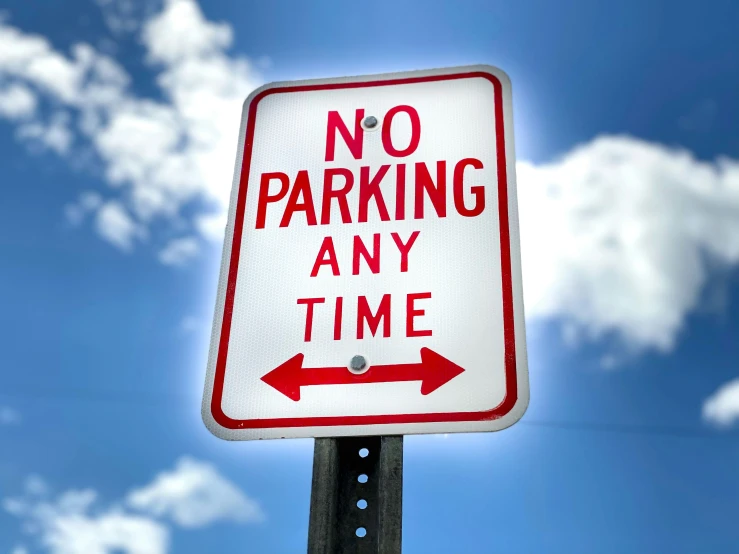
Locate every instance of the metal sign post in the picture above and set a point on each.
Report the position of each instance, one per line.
(357, 496)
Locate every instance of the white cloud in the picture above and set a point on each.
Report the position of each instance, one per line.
(36, 486)
(722, 408)
(9, 416)
(616, 234)
(14, 506)
(116, 226)
(70, 525)
(54, 135)
(17, 101)
(106, 534)
(179, 251)
(212, 226)
(87, 202)
(122, 16)
(19, 549)
(32, 59)
(157, 155)
(180, 33)
(194, 494)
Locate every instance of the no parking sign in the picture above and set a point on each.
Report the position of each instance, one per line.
(371, 280)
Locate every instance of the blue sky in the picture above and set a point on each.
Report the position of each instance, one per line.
(116, 164)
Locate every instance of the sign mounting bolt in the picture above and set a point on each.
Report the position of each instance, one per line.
(370, 122)
(358, 364)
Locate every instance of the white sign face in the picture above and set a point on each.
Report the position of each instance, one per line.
(371, 280)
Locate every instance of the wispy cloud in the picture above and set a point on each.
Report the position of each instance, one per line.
(116, 225)
(72, 523)
(194, 494)
(54, 135)
(17, 102)
(9, 416)
(179, 251)
(722, 407)
(124, 16)
(36, 486)
(158, 156)
(88, 202)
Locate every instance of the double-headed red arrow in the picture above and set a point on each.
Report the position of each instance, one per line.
(433, 371)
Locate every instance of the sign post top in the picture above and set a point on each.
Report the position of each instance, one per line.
(371, 280)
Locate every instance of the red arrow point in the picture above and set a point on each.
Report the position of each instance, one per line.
(437, 371)
(285, 378)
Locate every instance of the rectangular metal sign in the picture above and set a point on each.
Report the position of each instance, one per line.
(371, 280)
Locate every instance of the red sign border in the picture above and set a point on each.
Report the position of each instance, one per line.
(511, 397)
